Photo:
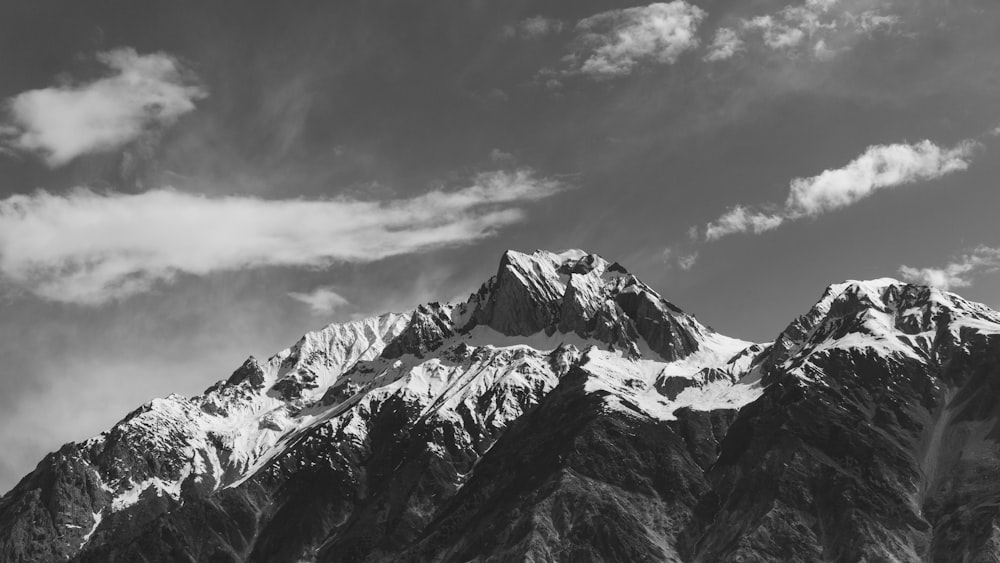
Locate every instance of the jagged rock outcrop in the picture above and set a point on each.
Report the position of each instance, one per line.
(857, 449)
(564, 412)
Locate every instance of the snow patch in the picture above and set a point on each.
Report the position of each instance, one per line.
(97, 522)
(631, 383)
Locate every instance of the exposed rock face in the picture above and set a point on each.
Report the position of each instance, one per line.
(580, 293)
(564, 412)
(865, 446)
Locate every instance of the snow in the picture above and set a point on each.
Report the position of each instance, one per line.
(97, 522)
(877, 334)
(254, 425)
(903, 326)
(234, 431)
(162, 487)
(632, 382)
(980, 325)
(486, 337)
(715, 351)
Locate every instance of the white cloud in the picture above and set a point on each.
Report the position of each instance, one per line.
(87, 247)
(879, 167)
(739, 219)
(725, 45)
(140, 92)
(958, 273)
(776, 34)
(534, 27)
(821, 28)
(615, 42)
(322, 300)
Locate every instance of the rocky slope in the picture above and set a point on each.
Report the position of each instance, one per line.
(564, 412)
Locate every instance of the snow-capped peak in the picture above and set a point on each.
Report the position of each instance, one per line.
(885, 316)
(482, 362)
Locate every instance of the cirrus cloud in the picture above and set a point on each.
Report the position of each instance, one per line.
(534, 27)
(139, 93)
(88, 248)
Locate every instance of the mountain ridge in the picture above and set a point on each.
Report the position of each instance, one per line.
(364, 440)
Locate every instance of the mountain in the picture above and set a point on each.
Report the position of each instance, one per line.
(563, 412)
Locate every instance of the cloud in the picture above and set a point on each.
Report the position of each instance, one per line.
(613, 43)
(879, 167)
(739, 219)
(958, 273)
(139, 93)
(687, 261)
(534, 27)
(678, 256)
(727, 44)
(775, 33)
(872, 21)
(87, 247)
(322, 300)
(500, 156)
(821, 28)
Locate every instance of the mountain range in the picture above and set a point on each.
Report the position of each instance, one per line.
(564, 412)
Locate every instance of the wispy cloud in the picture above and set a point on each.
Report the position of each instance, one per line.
(138, 93)
(534, 27)
(958, 273)
(322, 300)
(879, 167)
(739, 219)
(821, 28)
(500, 156)
(88, 247)
(614, 43)
(687, 261)
(681, 256)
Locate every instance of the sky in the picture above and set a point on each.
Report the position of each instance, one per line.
(184, 184)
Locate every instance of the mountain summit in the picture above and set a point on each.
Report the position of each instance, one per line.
(565, 411)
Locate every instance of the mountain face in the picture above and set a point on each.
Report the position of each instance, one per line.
(564, 412)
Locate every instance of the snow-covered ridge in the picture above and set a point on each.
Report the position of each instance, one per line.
(493, 356)
(455, 376)
(893, 319)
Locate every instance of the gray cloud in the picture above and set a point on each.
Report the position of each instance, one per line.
(958, 273)
(88, 247)
(879, 167)
(687, 261)
(139, 93)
